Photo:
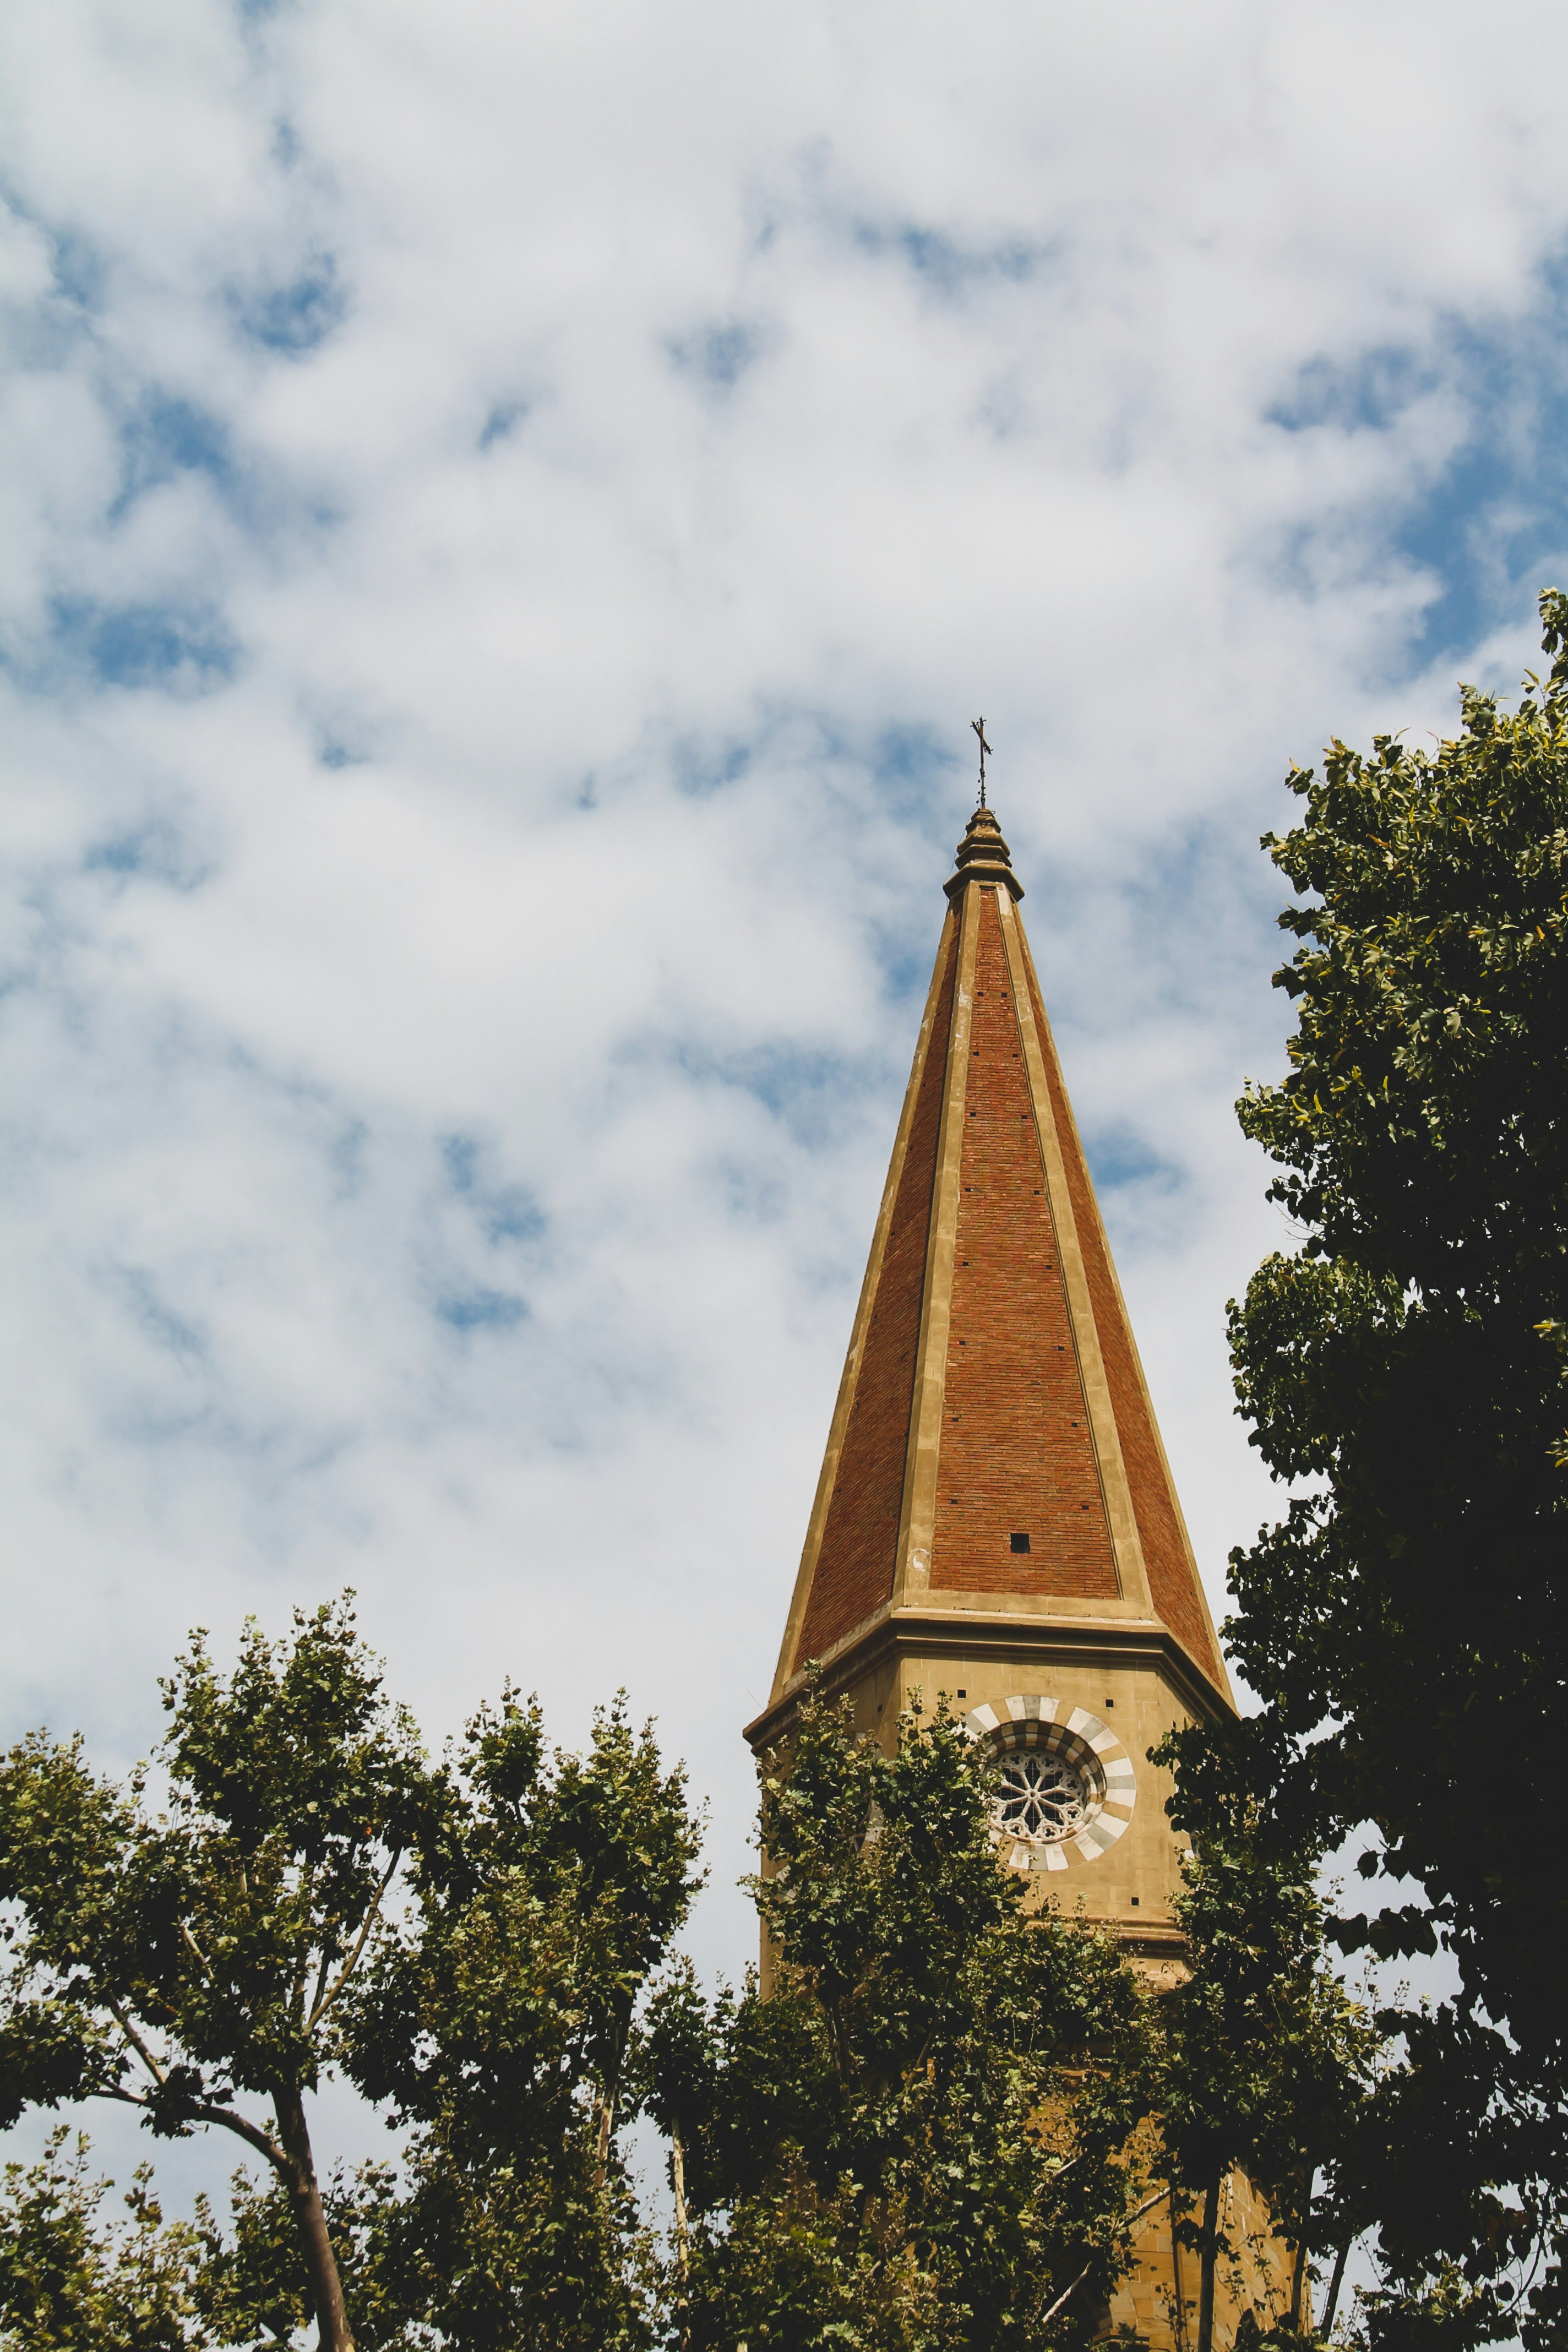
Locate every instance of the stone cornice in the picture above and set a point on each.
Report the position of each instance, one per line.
(994, 1634)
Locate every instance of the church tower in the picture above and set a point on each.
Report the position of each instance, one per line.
(995, 1516)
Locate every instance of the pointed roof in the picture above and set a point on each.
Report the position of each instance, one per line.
(993, 1395)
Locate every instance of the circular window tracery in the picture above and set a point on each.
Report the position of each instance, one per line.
(1042, 1797)
(1067, 1787)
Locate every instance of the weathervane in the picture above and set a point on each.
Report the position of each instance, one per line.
(979, 727)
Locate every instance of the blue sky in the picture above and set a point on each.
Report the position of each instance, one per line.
(507, 516)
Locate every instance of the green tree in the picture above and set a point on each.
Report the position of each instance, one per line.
(68, 2279)
(1403, 1625)
(466, 1944)
(499, 2023)
(1265, 2065)
(250, 2288)
(193, 1962)
(921, 2137)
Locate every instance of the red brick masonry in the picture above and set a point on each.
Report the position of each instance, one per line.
(1016, 1453)
(859, 1540)
(1172, 1585)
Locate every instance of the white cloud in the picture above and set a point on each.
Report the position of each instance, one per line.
(507, 517)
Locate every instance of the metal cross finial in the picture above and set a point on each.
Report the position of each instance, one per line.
(979, 727)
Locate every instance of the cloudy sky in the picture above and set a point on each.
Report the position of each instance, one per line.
(507, 513)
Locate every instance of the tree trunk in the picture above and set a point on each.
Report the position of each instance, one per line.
(1178, 2215)
(1207, 2270)
(1298, 2273)
(609, 2100)
(682, 2232)
(310, 2220)
(1334, 2285)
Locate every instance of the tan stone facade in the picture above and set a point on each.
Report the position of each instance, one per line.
(996, 1517)
(1158, 2299)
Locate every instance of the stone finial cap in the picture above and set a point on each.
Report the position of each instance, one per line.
(984, 856)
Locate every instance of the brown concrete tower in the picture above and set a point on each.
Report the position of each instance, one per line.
(995, 1516)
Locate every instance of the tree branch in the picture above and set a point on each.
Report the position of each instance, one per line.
(251, 2133)
(1337, 2280)
(1072, 2289)
(1066, 2295)
(297, 1996)
(135, 2040)
(320, 1984)
(325, 2002)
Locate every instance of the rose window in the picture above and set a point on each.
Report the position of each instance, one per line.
(1063, 1787)
(1050, 1787)
(1042, 1797)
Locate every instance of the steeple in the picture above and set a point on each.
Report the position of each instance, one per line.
(994, 1453)
(996, 1517)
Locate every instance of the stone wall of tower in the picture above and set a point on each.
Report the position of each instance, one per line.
(1157, 2302)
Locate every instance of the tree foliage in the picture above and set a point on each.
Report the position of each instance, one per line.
(1403, 1625)
(466, 1944)
(941, 2129)
(921, 2137)
(499, 2022)
(1265, 2065)
(251, 2287)
(69, 2278)
(946, 2121)
(193, 1962)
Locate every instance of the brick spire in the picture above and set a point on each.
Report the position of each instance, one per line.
(993, 1461)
